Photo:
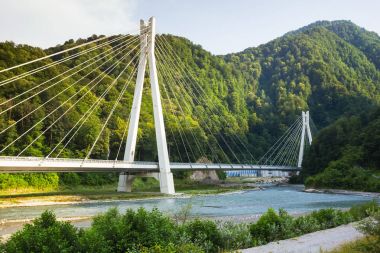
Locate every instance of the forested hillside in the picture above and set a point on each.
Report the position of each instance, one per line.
(329, 68)
(346, 154)
(312, 68)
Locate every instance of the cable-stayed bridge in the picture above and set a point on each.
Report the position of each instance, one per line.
(126, 57)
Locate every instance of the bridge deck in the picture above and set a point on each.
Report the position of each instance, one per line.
(40, 164)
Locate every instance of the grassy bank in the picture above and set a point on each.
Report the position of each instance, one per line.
(363, 245)
(142, 188)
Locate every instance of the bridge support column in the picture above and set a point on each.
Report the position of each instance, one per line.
(302, 143)
(147, 41)
(305, 129)
(125, 182)
(166, 177)
(308, 130)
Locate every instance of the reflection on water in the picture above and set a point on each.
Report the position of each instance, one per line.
(291, 198)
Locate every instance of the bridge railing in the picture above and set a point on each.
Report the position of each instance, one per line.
(9, 163)
(43, 159)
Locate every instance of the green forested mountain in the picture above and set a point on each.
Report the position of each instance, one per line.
(366, 41)
(329, 68)
(315, 68)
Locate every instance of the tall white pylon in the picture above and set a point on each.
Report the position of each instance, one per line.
(305, 128)
(307, 117)
(147, 42)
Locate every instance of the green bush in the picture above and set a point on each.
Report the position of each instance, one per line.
(91, 242)
(9, 181)
(359, 212)
(306, 224)
(272, 226)
(371, 225)
(41, 181)
(133, 229)
(45, 234)
(235, 236)
(371, 228)
(204, 233)
(222, 175)
(145, 184)
(96, 179)
(181, 174)
(170, 248)
(153, 232)
(49, 181)
(71, 179)
(329, 218)
(2, 247)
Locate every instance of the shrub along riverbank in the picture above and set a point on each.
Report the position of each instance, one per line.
(152, 231)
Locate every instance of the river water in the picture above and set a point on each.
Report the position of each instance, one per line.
(244, 203)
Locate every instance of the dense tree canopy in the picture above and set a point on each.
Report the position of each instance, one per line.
(346, 154)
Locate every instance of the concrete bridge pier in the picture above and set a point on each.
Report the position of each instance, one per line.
(165, 177)
(126, 181)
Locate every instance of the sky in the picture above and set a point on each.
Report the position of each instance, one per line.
(219, 26)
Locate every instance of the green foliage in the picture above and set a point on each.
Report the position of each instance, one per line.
(221, 174)
(205, 234)
(272, 226)
(26, 180)
(350, 178)
(235, 236)
(95, 179)
(329, 218)
(314, 68)
(92, 242)
(306, 224)
(45, 234)
(346, 154)
(363, 245)
(70, 178)
(140, 228)
(153, 232)
(145, 183)
(371, 228)
(170, 248)
(359, 212)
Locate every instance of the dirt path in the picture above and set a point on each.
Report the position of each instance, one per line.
(311, 243)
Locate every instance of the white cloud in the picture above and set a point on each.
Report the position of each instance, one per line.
(46, 23)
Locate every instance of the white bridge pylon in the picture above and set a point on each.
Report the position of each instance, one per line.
(305, 129)
(165, 177)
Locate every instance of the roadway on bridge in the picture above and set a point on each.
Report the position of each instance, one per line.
(40, 164)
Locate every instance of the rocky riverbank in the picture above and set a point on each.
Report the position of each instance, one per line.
(254, 182)
(347, 192)
(108, 193)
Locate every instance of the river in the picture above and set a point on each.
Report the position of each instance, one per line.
(244, 203)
